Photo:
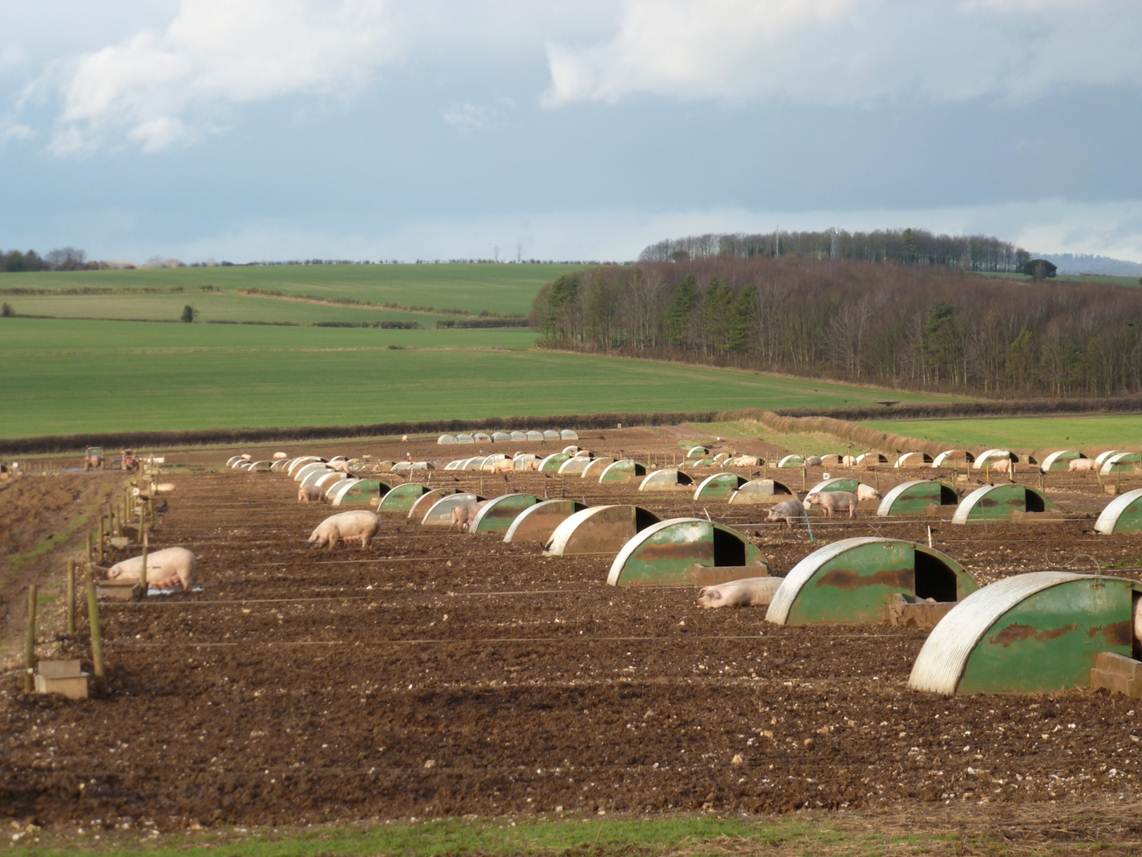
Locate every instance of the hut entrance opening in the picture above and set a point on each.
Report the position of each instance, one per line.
(728, 550)
(934, 579)
(1035, 502)
(643, 518)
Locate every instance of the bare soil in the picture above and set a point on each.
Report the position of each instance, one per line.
(443, 674)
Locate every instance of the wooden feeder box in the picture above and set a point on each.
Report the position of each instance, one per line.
(1117, 673)
(905, 612)
(64, 677)
(119, 590)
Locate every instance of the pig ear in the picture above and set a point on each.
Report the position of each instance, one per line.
(702, 592)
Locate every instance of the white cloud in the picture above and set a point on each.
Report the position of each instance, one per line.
(157, 87)
(14, 131)
(470, 117)
(852, 51)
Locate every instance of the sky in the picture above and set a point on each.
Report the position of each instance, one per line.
(583, 129)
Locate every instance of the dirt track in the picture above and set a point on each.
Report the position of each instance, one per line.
(446, 674)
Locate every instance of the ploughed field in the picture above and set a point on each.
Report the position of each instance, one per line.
(441, 674)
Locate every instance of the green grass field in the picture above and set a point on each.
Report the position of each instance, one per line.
(499, 289)
(68, 377)
(808, 443)
(837, 835)
(211, 306)
(1090, 434)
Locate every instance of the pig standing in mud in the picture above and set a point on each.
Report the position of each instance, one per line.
(747, 592)
(308, 494)
(787, 511)
(463, 515)
(1081, 465)
(833, 501)
(1002, 465)
(166, 569)
(866, 492)
(346, 526)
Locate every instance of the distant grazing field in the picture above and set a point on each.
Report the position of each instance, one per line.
(68, 377)
(1090, 434)
(211, 307)
(505, 289)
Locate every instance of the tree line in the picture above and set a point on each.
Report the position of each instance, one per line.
(879, 323)
(981, 253)
(61, 259)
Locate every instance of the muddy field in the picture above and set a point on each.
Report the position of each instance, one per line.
(39, 518)
(444, 673)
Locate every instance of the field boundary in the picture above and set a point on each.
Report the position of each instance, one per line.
(831, 421)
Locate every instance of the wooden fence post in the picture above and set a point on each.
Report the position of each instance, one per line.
(96, 630)
(30, 642)
(71, 596)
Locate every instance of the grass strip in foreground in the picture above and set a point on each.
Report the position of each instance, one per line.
(597, 837)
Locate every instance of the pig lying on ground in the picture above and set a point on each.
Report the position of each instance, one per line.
(166, 569)
(308, 494)
(787, 511)
(346, 526)
(747, 592)
(463, 515)
(833, 501)
(1081, 465)
(866, 492)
